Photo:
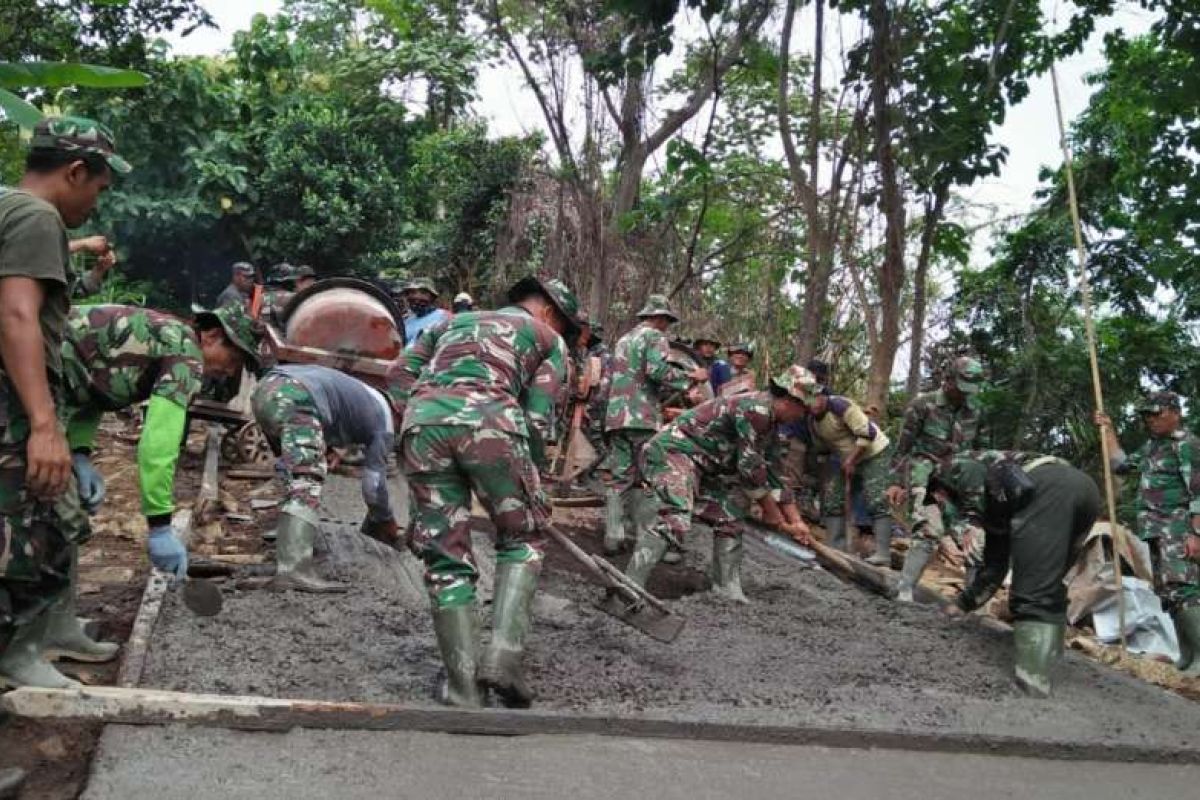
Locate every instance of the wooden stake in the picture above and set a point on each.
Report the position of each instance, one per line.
(1085, 292)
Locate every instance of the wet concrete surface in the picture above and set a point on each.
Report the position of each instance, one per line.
(181, 763)
(809, 651)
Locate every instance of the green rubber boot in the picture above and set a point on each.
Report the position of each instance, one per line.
(500, 671)
(294, 569)
(65, 636)
(457, 630)
(1187, 625)
(835, 532)
(726, 572)
(919, 553)
(1038, 645)
(614, 522)
(882, 528)
(22, 664)
(647, 552)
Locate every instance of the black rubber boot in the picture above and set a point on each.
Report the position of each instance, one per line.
(1187, 626)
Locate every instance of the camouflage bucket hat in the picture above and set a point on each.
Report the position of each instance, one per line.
(1157, 402)
(967, 373)
(744, 347)
(282, 273)
(240, 329)
(420, 285)
(798, 382)
(657, 305)
(79, 135)
(705, 335)
(562, 298)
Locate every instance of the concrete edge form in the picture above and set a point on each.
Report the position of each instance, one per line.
(154, 707)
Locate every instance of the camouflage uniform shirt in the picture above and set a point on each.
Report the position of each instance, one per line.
(116, 356)
(641, 370)
(501, 370)
(1168, 486)
(932, 432)
(728, 436)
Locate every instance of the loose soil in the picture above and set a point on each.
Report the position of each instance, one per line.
(810, 650)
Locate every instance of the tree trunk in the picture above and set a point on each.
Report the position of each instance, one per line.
(933, 218)
(891, 270)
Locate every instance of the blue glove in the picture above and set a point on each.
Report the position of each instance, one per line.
(91, 482)
(167, 552)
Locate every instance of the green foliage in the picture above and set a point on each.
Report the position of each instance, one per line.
(298, 148)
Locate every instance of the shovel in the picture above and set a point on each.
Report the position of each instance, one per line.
(627, 601)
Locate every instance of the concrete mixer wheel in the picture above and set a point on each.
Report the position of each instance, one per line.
(247, 446)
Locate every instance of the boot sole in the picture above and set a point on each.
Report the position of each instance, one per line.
(56, 654)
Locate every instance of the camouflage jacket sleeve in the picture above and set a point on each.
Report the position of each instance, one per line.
(660, 370)
(404, 371)
(1189, 471)
(754, 434)
(914, 418)
(1124, 464)
(541, 396)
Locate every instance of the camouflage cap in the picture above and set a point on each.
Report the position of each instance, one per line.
(657, 305)
(239, 328)
(744, 347)
(243, 268)
(305, 271)
(282, 273)
(705, 335)
(798, 382)
(967, 374)
(79, 135)
(420, 285)
(562, 298)
(1156, 402)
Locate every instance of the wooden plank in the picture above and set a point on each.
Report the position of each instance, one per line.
(153, 707)
(207, 501)
(137, 648)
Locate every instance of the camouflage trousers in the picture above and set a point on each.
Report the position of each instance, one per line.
(287, 414)
(35, 542)
(444, 464)
(677, 490)
(871, 477)
(624, 447)
(1176, 576)
(925, 518)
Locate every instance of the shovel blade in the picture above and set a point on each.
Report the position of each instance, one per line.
(202, 598)
(663, 626)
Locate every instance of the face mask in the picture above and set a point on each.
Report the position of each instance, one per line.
(462, 308)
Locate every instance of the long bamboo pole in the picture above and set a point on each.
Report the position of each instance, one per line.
(1085, 291)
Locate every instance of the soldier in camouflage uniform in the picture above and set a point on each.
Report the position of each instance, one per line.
(306, 276)
(281, 284)
(481, 390)
(863, 453)
(597, 399)
(302, 410)
(936, 426)
(1036, 511)
(725, 438)
(115, 357)
(642, 378)
(1168, 512)
(70, 162)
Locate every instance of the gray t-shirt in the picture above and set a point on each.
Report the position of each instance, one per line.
(231, 295)
(352, 413)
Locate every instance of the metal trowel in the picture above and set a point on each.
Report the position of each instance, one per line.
(203, 598)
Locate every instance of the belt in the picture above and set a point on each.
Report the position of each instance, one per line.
(1043, 461)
